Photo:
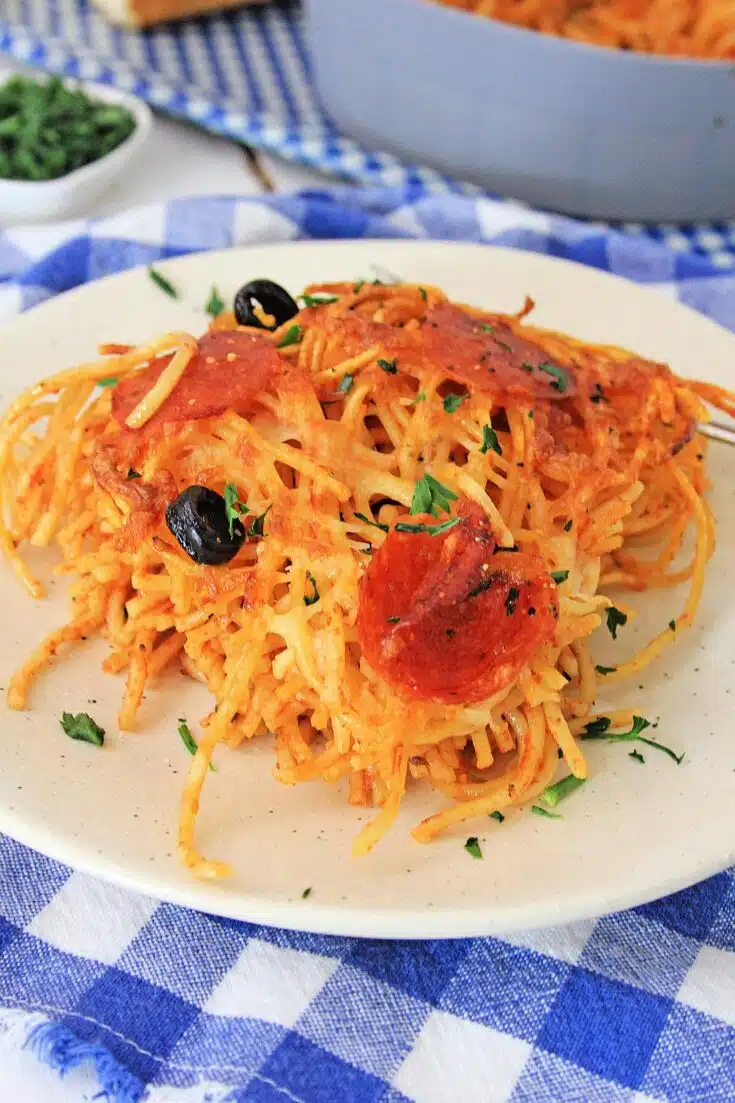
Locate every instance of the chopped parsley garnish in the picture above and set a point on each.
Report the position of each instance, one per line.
(422, 293)
(345, 383)
(597, 727)
(319, 300)
(370, 521)
(504, 345)
(83, 728)
(453, 402)
(490, 440)
(637, 756)
(568, 526)
(108, 381)
(615, 620)
(358, 286)
(634, 735)
(497, 816)
(539, 811)
(558, 375)
(672, 625)
(394, 620)
(482, 587)
(472, 846)
(605, 669)
(560, 576)
(189, 741)
(389, 366)
(430, 496)
(306, 893)
(292, 336)
(597, 394)
(313, 597)
(511, 600)
(552, 794)
(233, 506)
(133, 474)
(420, 397)
(256, 526)
(527, 367)
(487, 328)
(161, 281)
(215, 304)
(431, 530)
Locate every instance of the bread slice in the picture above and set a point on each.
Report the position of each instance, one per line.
(142, 13)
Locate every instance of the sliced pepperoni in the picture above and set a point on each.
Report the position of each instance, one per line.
(229, 370)
(450, 617)
(487, 355)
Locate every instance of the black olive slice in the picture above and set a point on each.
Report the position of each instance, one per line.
(272, 299)
(198, 520)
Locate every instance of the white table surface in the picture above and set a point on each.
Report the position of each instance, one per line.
(179, 161)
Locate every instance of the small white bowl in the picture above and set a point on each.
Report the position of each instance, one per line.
(44, 200)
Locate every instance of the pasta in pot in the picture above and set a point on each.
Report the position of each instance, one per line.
(684, 28)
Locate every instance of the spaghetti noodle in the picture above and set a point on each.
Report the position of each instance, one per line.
(684, 28)
(383, 531)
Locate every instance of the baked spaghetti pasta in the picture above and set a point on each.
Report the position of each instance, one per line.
(382, 528)
(684, 28)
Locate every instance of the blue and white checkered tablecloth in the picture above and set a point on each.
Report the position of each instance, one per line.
(246, 74)
(178, 1007)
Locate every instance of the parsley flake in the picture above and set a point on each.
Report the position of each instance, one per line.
(422, 293)
(511, 600)
(190, 742)
(672, 625)
(560, 576)
(472, 846)
(634, 735)
(637, 756)
(319, 300)
(233, 506)
(539, 811)
(497, 816)
(133, 474)
(292, 336)
(605, 669)
(559, 376)
(597, 727)
(161, 281)
(312, 598)
(370, 521)
(431, 530)
(568, 526)
(615, 620)
(420, 397)
(389, 366)
(394, 620)
(430, 496)
(345, 383)
(487, 328)
(306, 893)
(108, 381)
(215, 304)
(490, 441)
(552, 794)
(453, 402)
(358, 287)
(256, 526)
(83, 728)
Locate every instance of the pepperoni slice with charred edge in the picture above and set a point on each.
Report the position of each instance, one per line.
(451, 617)
(487, 355)
(228, 371)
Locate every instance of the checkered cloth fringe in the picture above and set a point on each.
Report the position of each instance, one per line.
(178, 1007)
(246, 74)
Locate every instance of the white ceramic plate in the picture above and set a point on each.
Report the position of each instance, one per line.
(633, 833)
